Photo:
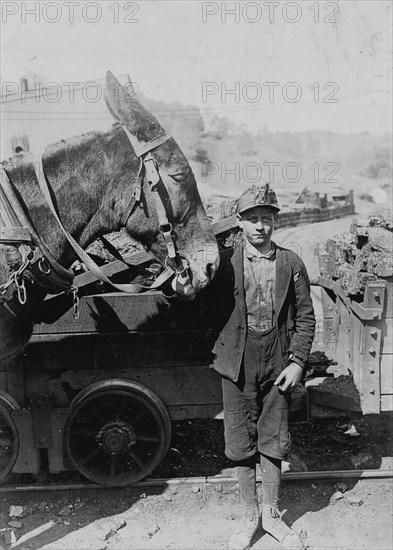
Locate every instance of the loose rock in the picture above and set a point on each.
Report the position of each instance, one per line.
(153, 529)
(15, 511)
(115, 526)
(340, 487)
(336, 496)
(42, 505)
(352, 431)
(65, 511)
(15, 524)
(354, 500)
(196, 488)
(167, 497)
(109, 534)
(303, 534)
(361, 460)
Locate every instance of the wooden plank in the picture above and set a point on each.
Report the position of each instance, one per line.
(175, 386)
(27, 460)
(181, 412)
(111, 351)
(343, 350)
(358, 337)
(113, 268)
(386, 376)
(56, 453)
(386, 403)
(369, 385)
(119, 312)
(366, 314)
(389, 297)
(374, 294)
(112, 312)
(387, 335)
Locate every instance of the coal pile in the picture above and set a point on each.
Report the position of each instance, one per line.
(364, 254)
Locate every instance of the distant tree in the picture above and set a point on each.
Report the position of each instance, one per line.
(200, 154)
(381, 166)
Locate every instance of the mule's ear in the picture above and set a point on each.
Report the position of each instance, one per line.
(126, 108)
(112, 112)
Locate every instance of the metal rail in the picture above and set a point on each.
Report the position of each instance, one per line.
(289, 476)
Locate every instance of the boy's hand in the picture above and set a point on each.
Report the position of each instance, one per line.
(289, 378)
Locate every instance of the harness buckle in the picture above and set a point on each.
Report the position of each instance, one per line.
(75, 303)
(152, 174)
(181, 264)
(137, 192)
(41, 262)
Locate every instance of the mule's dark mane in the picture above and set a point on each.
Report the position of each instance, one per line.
(79, 145)
(70, 144)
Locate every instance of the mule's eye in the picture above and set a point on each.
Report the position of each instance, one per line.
(179, 178)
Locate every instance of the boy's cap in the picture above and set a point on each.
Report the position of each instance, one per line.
(257, 195)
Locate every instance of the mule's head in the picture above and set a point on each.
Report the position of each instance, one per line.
(179, 200)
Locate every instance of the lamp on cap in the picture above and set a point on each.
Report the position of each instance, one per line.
(257, 195)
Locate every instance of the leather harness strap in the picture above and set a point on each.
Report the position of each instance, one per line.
(140, 152)
(12, 230)
(58, 275)
(85, 258)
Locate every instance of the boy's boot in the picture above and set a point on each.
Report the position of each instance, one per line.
(250, 521)
(272, 521)
(242, 537)
(273, 524)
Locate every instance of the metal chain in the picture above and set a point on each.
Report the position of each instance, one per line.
(16, 276)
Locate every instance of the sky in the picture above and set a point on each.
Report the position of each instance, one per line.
(295, 66)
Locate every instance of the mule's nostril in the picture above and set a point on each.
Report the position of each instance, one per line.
(210, 271)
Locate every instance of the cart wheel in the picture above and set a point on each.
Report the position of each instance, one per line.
(9, 441)
(118, 432)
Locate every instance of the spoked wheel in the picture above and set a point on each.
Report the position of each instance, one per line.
(118, 432)
(9, 441)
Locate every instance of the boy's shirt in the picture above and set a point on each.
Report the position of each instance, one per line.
(259, 286)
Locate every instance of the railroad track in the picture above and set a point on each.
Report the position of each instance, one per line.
(203, 480)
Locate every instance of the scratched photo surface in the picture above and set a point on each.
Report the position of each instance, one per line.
(102, 104)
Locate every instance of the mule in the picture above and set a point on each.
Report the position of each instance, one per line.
(92, 178)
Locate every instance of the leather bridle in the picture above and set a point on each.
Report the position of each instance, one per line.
(16, 229)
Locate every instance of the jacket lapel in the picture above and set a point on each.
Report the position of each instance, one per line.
(283, 279)
(237, 263)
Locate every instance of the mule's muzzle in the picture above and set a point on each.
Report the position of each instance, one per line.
(182, 281)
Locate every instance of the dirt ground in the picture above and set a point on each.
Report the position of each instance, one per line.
(199, 516)
(202, 517)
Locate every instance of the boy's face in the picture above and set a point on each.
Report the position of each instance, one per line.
(257, 224)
